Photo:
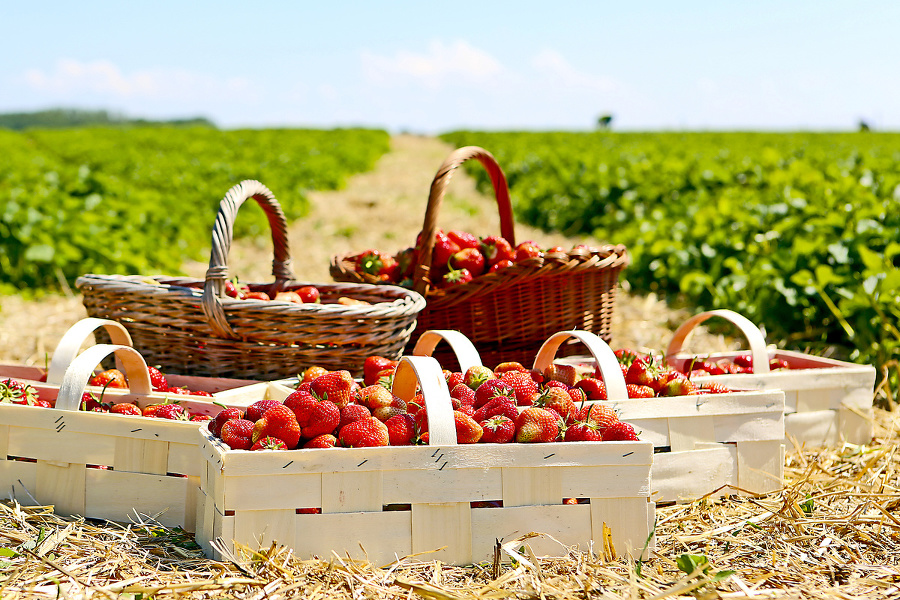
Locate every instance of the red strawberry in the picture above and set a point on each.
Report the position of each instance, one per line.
(680, 387)
(462, 395)
(309, 294)
(200, 393)
(384, 267)
(499, 429)
(594, 389)
(444, 248)
(157, 379)
(527, 250)
(126, 408)
(17, 392)
(195, 416)
(280, 422)
(469, 410)
(470, 259)
(147, 411)
(401, 430)
(499, 405)
(326, 440)
(626, 356)
(173, 412)
(491, 389)
(510, 366)
(336, 386)
(256, 410)
(583, 432)
(641, 372)
(312, 372)
(352, 412)
(269, 443)
(375, 396)
(733, 369)
(524, 386)
(714, 388)
(455, 277)
(468, 431)
(464, 239)
(620, 432)
(113, 378)
(560, 401)
(179, 391)
(238, 433)
(496, 248)
(639, 391)
(374, 365)
(454, 378)
(256, 295)
(477, 375)
(537, 425)
(743, 360)
(364, 433)
(416, 404)
(215, 425)
(598, 414)
(777, 364)
(566, 374)
(499, 266)
(324, 417)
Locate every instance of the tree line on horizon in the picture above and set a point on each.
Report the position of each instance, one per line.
(66, 117)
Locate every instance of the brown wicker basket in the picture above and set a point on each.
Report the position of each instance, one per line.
(510, 313)
(191, 327)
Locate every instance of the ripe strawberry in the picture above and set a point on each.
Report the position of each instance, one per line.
(510, 366)
(499, 266)
(178, 391)
(743, 360)
(280, 422)
(639, 391)
(620, 432)
(524, 386)
(454, 378)
(499, 429)
(705, 365)
(148, 411)
(464, 239)
(641, 372)
(312, 372)
(215, 425)
(680, 387)
(527, 250)
(499, 405)
(733, 369)
(416, 404)
(496, 248)
(256, 410)
(326, 440)
(126, 408)
(560, 401)
(17, 392)
(444, 248)
(626, 356)
(336, 386)
(113, 378)
(594, 389)
(583, 432)
(200, 393)
(776, 364)
(383, 266)
(195, 416)
(374, 396)
(373, 366)
(598, 414)
(714, 388)
(269, 443)
(309, 294)
(324, 417)
(352, 412)
(566, 374)
(157, 379)
(174, 412)
(364, 433)
(288, 296)
(238, 433)
(470, 259)
(401, 429)
(491, 389)
(537, 425)
(469, 410)
(477, 375)
(455, 277)
(468, 431)
(462, 395)
(256, 295)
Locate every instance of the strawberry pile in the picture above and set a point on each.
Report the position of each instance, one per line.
(114, 378)
(509, 404)
(647, 377)
(13, 391)
(742, 363)
(304, 294)
(458, 258)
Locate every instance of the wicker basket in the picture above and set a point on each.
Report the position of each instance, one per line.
(190, 327)
(509, 314)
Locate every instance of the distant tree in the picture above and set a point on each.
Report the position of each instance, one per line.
(863, 126)
(604, 121)
(62, 117)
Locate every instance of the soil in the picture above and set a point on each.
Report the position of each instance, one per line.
(383, 209)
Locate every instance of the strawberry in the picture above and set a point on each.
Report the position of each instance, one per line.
(583, 432)
(777, 364)
(312, 372)
(453, 378)
(364, 433)
(620, 432)
(336, 386)
(467, 409)
(256, 410)
(598, 414)
(384, 267)
(594, 389)
(496, 248)
(113, 378)
(313, 416)
(373, 365)
(639, 391)
(499, 405)
(470, 259)
(215, 425)
(174, 412)
(733, 369)
(126, 408)
(537, 425)
(468, 431)
(195, 416)
(444, 248)
(268, 443)
(626, 356)
(288, 296)
(326, 440)
(680, 387)
(462, 395)
(464, 239)
(280, 422)
(743, 360)
(238, 433)
(157, 379)
(179, 391)
(566, 374)
(309, 294)
(641, 372)
(713, 388)
(17, 392)
(352, 412)
(524, 386)
(560, 401)
(477, 375)
(401, 430)
(499, 429)
(455, 277)
(375, 396)
(527, 250)
(256, 295)
(491, 389)
(200, 393)
(416, 404)
(510, 366)
(148, 411)
(396, 407)
(499, 266)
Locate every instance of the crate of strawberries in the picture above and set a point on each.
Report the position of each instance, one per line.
(414, 459)
(507, 297)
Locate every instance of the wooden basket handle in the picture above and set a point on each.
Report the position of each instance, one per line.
(82, 367)
(426, 373)
(751, 332)
(607, 363)
(462, 347)
(222, 235)
(438, 190)
(71, 342)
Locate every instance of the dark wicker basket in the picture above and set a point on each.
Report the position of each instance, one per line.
(510, 313)
(190, 327)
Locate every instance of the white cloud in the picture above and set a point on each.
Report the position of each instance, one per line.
(552, 66)
(441, 64)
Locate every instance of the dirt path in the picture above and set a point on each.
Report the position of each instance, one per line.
(382, 209)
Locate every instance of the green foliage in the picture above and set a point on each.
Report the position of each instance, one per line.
(143, 200)
(61, 117)
(799, 232)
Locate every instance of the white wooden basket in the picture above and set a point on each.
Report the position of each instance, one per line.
(712, 443)
(826, 402)
(385, 503)
(102, 465)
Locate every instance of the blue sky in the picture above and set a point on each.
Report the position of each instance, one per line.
(431, 67)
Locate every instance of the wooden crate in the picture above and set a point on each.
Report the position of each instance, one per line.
(826, 402)
(102, 465)
(385, 503)
(711, 443)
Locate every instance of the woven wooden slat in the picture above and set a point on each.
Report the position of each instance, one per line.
(508, 314)
(190, 327)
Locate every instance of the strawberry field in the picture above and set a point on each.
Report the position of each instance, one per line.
(799, 232)
(143, 200)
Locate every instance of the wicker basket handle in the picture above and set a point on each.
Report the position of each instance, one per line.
(607, 363)
(466, 354)
(754, 336)
(222, 235)
(426, 373)
(71, 342)
(82, 367)
(438, 190)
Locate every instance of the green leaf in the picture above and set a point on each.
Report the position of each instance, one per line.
(8, 552)
(691, 562)
(40, 253)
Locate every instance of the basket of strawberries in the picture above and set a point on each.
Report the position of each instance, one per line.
(507, 298)
(259, 331)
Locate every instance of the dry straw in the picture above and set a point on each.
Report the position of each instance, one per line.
(833, 532)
